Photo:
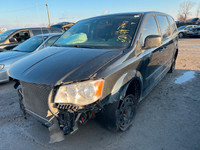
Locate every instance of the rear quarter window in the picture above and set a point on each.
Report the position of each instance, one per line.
(164, 27)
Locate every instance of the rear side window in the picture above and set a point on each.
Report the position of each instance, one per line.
(172, 24)
(150, 28)
(164, 27)
(55, 30)
(45, 31)
(36, 32)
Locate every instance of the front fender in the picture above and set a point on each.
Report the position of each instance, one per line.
(120, 87)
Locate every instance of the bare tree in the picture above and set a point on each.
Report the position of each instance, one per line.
(180, 17)
(185, 9)
(198, 11)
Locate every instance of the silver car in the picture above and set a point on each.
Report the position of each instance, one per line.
(33, 44)
(194, 32)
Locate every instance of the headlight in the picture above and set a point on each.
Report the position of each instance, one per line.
(1, 66)
(82, 93)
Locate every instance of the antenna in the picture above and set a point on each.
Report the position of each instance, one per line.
(48, 14)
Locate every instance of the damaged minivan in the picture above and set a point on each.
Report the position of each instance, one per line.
(102, 66)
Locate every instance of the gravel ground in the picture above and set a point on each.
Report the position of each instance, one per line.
(167, 119)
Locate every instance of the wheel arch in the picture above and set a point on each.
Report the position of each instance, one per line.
(129, 83)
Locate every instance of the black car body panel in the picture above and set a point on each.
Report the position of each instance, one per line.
(57, 65)
(136, 68)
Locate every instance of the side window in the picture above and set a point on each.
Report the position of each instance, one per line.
(150, 28)
(36, 32)
(164, 27)
(54, 30)
(45, 31)
(20, 36)
(173, 25)
(39, 31)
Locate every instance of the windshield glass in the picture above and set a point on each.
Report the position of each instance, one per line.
(31, 44)
(108, 32)
(5, 34)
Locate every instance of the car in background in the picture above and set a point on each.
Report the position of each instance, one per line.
(194, 32)
(11, 38)
(183, 29)
(63, 25)
(33, 44)
(102, 65)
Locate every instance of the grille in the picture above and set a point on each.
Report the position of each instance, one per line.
(36, 98)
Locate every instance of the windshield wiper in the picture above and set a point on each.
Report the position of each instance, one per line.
(16, 50)
(81, 46)
(21, 51)
(56, 45)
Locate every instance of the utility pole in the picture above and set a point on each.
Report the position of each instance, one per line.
(48, 14)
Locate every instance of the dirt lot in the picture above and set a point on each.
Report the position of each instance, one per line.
(168, 119)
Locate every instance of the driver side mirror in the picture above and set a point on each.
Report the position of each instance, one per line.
(152, 41)
(12, 40)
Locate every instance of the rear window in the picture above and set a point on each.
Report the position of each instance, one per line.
(164, 27)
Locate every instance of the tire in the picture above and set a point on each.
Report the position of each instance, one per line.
(119, 116)
(180, 35)
(172, 68)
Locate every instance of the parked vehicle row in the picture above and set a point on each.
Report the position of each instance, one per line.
(189, 31)
(31, 45)
(102, 65)
(194, 32)
(11, 38)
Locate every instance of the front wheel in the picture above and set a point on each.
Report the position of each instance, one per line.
(119, 115)
(180, 35)
(126, 112)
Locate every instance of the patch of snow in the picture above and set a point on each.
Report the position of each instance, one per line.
(185, 77)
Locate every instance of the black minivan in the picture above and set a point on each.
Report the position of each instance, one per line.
(11, 38)
(101, 66)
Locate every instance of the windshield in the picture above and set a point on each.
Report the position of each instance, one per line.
(5, 34)
(31, 44)
(108, 32)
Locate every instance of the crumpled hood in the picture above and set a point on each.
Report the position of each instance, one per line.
(53, 65)
(9, 57)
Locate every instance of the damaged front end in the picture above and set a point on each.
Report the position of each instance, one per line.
(61, 116)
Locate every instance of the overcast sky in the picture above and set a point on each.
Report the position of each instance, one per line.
(28, 13)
